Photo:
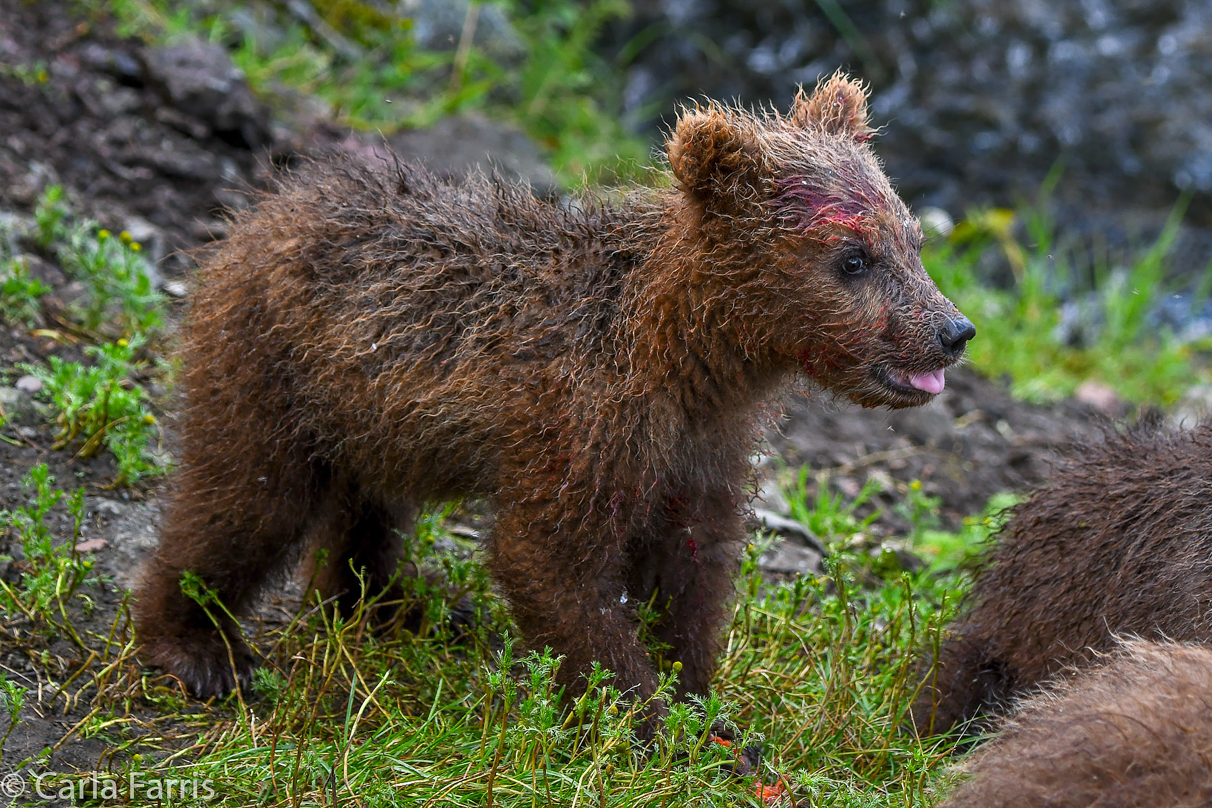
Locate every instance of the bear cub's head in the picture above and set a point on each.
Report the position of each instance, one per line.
(799, 227)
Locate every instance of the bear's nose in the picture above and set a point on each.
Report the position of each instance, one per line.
(955, 333)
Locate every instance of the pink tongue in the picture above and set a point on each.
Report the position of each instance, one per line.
(929, 382)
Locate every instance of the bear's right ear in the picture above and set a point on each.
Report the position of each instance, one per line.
(838, 106)
(716, 158)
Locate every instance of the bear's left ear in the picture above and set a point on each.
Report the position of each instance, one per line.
(838, 106)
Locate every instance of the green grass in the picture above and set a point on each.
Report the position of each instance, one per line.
(820, 670)
(1016, 326)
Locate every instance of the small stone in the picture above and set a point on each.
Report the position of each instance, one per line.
(91, 546)
(765, 520)
(101, 505)
(771, 495)
(788, 558)
(936, 223)
(1100, 397)
(176, 289)
(1194, 408)
(17, 406)
(29, 385)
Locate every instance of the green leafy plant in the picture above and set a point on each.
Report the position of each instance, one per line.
(51, 573)
(19, 293)
(103, 405)
(12, 699)
(49, 215)
(567, 92)
(118, 278)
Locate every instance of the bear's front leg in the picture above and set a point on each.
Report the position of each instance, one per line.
(561, 568)
(690, 561)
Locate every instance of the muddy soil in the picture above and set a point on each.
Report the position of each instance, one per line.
(114, 122)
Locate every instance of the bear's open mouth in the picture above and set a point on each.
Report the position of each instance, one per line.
(913, 385)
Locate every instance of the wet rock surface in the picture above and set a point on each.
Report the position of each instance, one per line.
(163, 141)
(200, 82)
(979, 98)
(169, 138)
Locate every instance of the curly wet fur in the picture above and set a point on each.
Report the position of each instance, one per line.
(1136, 733)
(1118, 543)
(372, 339)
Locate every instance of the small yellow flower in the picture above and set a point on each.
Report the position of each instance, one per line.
(122, 343)
(102, 235)
(916, 485)
(125, 237)
(149, 419)
(135, 246)
(677, 666)
(43, 77)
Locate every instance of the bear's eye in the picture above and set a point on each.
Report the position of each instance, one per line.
(855, 263)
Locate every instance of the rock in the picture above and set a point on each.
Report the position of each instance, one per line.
(787, 558)
(1101, 397)
(936, 222)
(1193, 408)
(91, 546)
(438, 25)
(771, 496)
(200, 80)
(765, 520)
(117, 63)
(14, 227)
(177, 289)
(16, 405)
(979, 98)
(29, 385)
(454, 145)
(106, 507)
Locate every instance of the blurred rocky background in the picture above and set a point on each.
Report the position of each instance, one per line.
(979, 99)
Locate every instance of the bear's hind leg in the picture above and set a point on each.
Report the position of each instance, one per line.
(232, 524)
(364, 553)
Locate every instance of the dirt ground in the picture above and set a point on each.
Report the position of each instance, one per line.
(83, 108)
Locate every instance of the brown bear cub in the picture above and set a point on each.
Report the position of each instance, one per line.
(1118, 544)
(368, 340)
(1136, 733)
